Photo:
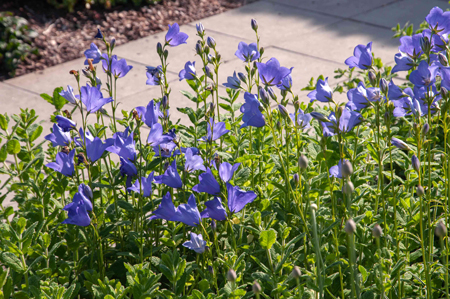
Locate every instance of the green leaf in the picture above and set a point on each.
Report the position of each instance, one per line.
(58, 101)
(125, 205)
(12, 261)
(3, 122)
(36, 133)
(3, 153)
(267, 238)
(47, 97)
(13, 147)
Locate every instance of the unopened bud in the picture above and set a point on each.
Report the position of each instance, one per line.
(283, 111)
(350, 226)
(387, 117)
(296, 273)
(440, 230)
(256, 288)
(87, 191)
(231, 275)
(271, 93)
(278, 125)
(242, 77)
(372, 78)
(113, 43)
(442, 59)
(164, 102)
(303, 162)
(198, 48)
(213, 225)
(415, 163)
(263, 95)
(211, 108)
(211, 42)
(254, 25)
(348, 188)
(420, 191)
(159, 48)
(319, 116)
(210, 58)
(166, 53)
(444, 92)
(425, 129)
(384, 86)
(346, 169)
(200, 28)
(261, 51)
(377, 231)
(211, 270)
(296, 105)
(313, 207)
(296, 179)
(425, 44)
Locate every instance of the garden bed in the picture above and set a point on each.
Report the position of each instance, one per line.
(65, 36)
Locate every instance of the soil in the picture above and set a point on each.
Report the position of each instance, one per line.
(65, 36)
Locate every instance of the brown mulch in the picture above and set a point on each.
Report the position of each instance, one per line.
(65, 36)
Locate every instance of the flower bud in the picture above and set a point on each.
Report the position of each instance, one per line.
(210, 58)
(372, 78)
(87, 191)
(400, 144)
(166, 53)
(242, 77)
(384, 85)
(278, 125)
(425, 44)
(313, 207)
(254, 25)
(211, 42)
(283, 111)
(319, 116)
(303, 162)
(208, 72)
(377, 231)
(350, 226)
(263, 95)
(387, 117)
(296, 179)
(211, 108)
(213, 225)
(256, 288)
(99, 34)
(113, 43)
(211, 270)
(440, 230)
(198, 48)
(346, 169)
(420, 191)
(164, 102)
(200, 28)
(415, 163)
(296, 273)
(425, 129)
(442, 59)
(159, 48)
(348, 188)
(271, 93)
(231, 275)
(296, 105)
(261, 51)
(444, 92)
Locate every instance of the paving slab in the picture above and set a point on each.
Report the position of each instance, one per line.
(400, 12)
(338, 8)
(277, 22)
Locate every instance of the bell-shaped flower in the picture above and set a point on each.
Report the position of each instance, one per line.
(124, 146)
(252, 115)
(226, 171)
(271, 73)
(303, 119)
(64, 163)
(410, 45)
(165, 149)
(174, 37)
(188, 213)
(207, 183)
(166, 210)
(156, 136)
(77, 212)
(403, 62)
(188, 72)
(215, 130)
(362, 57)
(323, 92)
(93, 99)
(360, 97)
(96, 148)
(69, 95)
(193, 162)
(422, 76)
(145, 187)
(438, 20)
(286, 83)
(170, 177)
(65, 123)
(117, 67)
(88, 196)
(150, 114)
(247, 52)
(336, 170)
(348, 120)
(194, 150)
(233, 82)
(82, 142)
(127, 168)
(92, 53)
(214, 210)
(58, 136)
(238, 199)
(196, 243)
(154, 75)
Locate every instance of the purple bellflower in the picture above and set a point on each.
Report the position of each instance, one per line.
(214, 210)
(233, 82)
(402, 63)
(188, 213)
(214, 130)
(77, 212)
(150, 114)
(362, 57)
(123, 145)
(438, 20)
(92, 53)
(303, 119)
(410, 45)
(93, 99)
(58, 136)
(286, 83)
(164, 149)
(399, 144)
(118, 67)
(87, 136)
(65, 123)
(360, 97)
(323, 92)
(64, 163)
(193, 162)
(156, 136)
(252, 115)
(207, 184)
(95, 148)
(238, 199)
(127, 168)
(174, 37)
(154, 75)
(188, 72)
(145, 187)
(170, 177)
(166, 210)
(336, 170)
(69, 95)
(422, 76)
(87, 194)
(247, 52)
(196, 243)
(348, 120)
(226, 171)
(271, 73)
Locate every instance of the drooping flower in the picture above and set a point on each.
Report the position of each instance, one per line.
(118, 67)
(170, 177)
(252, 115)
(174, 37)
(271, 73)
(362, 57)
(207, 184)
(399, 144)
(214, 210)
(238, 199)
(188, 72)
(402, 63)
(196, 243)
(93, 99)
(69, 95)
(193, 162)
(323, 92)
(77, 212)
(247, 52)
(226, 171)
(92, 53)
(154, 75)
(188, 213)
(150, 114)
(65, 123)
(336, 170)
(88, 196)
(64, 163)
(58, 136)
(124, 146)
(303, 119)
(96, 148)
(233, 82)
(422, 76)
(145, 187)
(215, 130)
(438, 20)
(127, 168)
